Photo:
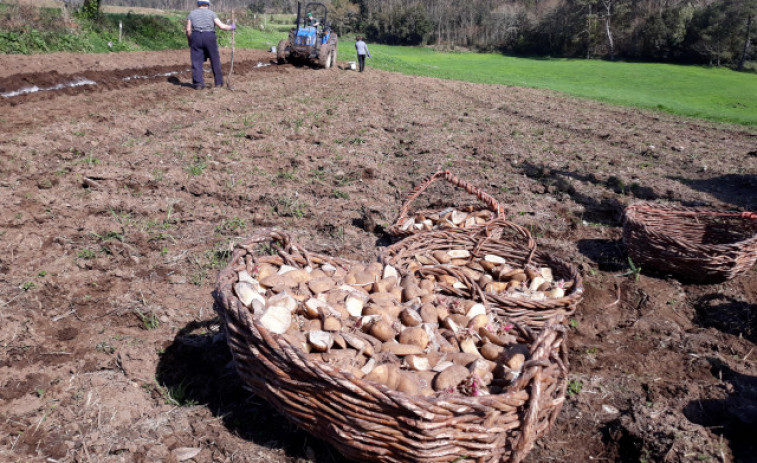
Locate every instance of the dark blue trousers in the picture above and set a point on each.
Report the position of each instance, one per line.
(203, 45)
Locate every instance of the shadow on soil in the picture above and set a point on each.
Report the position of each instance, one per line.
(736, 189)
(607, 254)
(728, 315)
(605, 211)
(735, 417)
(197, 368)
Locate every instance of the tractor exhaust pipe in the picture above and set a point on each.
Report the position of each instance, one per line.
(299, 6)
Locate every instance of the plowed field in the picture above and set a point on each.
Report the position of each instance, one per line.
(122, 195)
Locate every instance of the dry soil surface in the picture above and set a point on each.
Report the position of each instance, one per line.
(123, 195)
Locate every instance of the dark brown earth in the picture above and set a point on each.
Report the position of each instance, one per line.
(122, 199)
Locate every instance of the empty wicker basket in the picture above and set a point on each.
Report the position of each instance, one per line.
(367, 421)
(695, 244)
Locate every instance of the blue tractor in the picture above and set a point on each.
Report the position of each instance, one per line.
(312, 40)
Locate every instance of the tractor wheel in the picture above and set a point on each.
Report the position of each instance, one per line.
(281, 52)
(325, 56)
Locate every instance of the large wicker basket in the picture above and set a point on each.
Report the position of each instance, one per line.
(695, 244)
(519, 252)
(367, 421)
(487, 202)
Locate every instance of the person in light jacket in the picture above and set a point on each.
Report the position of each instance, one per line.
(362, 52)
(201, 35)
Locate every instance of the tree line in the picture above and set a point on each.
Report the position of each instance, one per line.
(715, 32)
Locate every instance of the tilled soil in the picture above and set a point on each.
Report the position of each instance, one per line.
(123, 197)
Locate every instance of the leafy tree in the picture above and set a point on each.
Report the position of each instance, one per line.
(90, 9)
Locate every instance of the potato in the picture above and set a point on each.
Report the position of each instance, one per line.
(354, 304)
(247, 293)
(320, 341)
(362, 346)
(390, 271)
(276, 319)
(429, 314)
(266, 270)
(400, 349)
(282, 300)
(410, 317)
(461, 321)
(365, 278)
(441, 256)
(385, 285)
(410, 292)
(417, 362)
(387, 374)
(450, 378)
(407, 280)
(485, 280)
(299, 275)
(279, 281)
(532, 273)
(376, 269)
(462, 358)
(382, 331)
(555, 293)
(477, 322)
(416, 336)
(425, 260)
(312, 325)
(384, 299)
(408, 384)
(337, 296)
(491, 351)
(474, 310)
(339, 341)
(321, 285)
(536, 283)
(331, 324)
(516, 362)
(458, 253)
(517, 274)
(468, 345)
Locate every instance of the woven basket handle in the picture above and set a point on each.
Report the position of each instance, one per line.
(484, 197)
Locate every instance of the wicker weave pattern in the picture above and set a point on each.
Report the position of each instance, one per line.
(534, 314)
(488, 201)
(369, 422)
(692, 243)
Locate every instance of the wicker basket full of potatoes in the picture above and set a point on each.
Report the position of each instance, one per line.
(381, 364)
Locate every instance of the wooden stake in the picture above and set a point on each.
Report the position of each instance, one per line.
(231, 69)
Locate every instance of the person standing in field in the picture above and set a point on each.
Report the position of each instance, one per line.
(362, 52)
(201, 36)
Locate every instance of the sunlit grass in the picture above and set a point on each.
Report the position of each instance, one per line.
(716, 94)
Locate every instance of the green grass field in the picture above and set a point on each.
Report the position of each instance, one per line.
(715, 94)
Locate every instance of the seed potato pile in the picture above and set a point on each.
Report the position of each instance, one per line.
(396, 330)
(450, 218)
(493, 273)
